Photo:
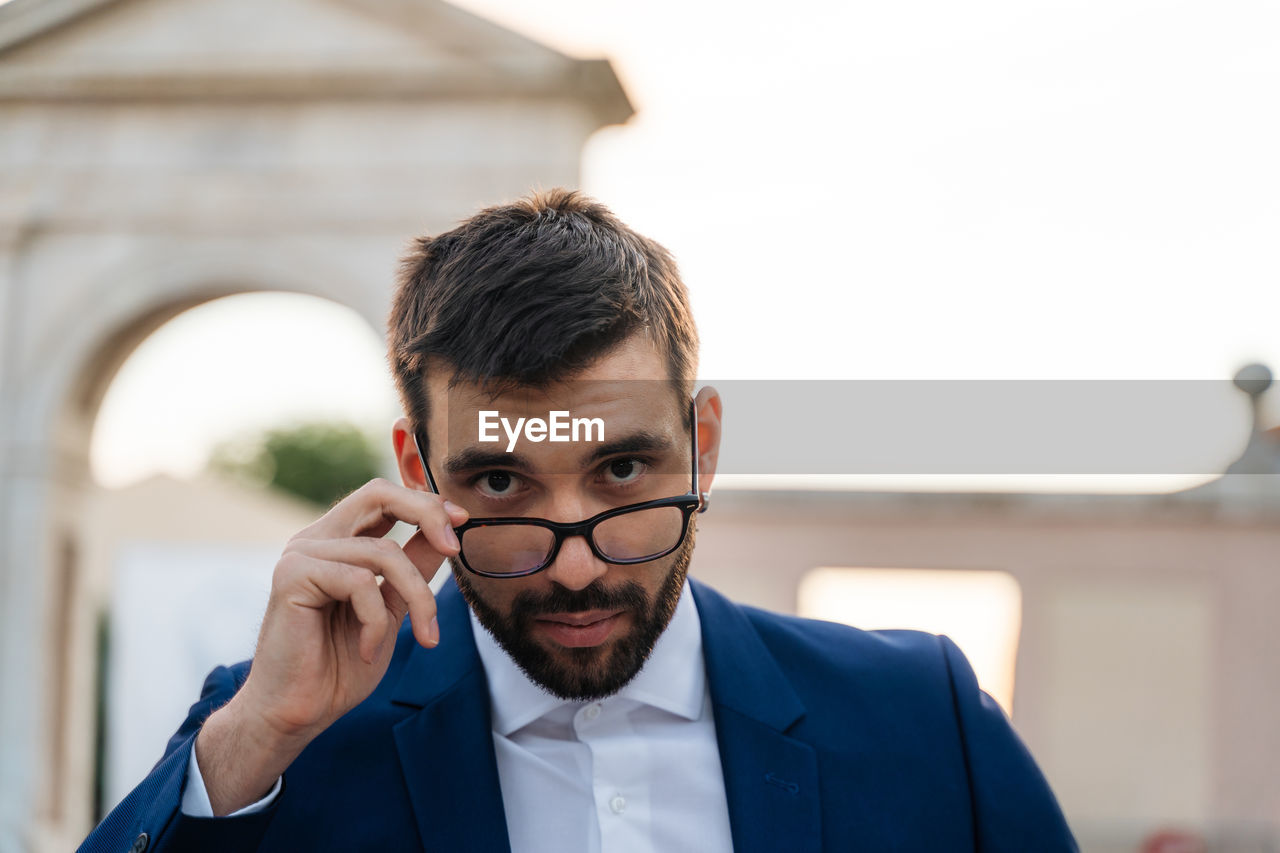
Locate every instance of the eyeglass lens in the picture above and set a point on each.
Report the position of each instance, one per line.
(632, 536)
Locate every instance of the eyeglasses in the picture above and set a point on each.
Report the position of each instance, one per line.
(625, 535)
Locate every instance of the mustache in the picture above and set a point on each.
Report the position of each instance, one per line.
(629, 595)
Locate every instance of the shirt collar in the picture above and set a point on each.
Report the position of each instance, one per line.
(673, 679)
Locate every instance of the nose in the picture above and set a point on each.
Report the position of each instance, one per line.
(575, 567)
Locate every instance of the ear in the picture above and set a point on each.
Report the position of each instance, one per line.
(410, 464)
(708, 409)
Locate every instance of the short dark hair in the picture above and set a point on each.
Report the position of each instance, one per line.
(530, 293)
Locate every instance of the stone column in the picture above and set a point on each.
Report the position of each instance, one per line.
(21, 587)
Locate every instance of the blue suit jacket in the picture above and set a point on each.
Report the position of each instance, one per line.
(830, 738)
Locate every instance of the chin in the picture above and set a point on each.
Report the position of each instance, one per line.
(583, 673)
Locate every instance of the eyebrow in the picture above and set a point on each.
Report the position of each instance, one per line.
(636, 442)
(476, 458)
(473, 458)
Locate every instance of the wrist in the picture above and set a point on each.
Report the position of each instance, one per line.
(241, 756)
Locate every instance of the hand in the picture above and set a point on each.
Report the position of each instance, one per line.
(338, 597)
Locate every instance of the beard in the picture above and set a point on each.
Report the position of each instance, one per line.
(588, 673)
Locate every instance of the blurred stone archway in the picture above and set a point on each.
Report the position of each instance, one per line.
(155, 155)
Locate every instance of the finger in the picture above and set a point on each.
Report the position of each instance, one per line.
(457, 514)
(429, 637)
(375, 506)
(394, 601)
(384, 557)
(359, 587)
(423, 554)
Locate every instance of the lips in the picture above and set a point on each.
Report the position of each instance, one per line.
(579, 620)
(579, 630)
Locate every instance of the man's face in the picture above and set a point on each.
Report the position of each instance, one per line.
(581, 628)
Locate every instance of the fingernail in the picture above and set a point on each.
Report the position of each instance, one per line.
(433, 631)
(453, 509)
(451, 537)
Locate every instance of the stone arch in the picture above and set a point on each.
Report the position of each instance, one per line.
(96, 343)
(161, 288)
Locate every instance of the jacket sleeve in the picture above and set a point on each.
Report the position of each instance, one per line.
(150, 817)
(1014, 809)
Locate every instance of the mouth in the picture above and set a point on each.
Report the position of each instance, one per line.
(579, 630)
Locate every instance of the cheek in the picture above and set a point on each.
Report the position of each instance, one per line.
(501, 594)
(492, 593)
(655, 574)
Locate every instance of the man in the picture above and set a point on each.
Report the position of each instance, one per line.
(571, 690)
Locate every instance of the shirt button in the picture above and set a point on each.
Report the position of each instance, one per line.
(618, 804)
(140, 843)
(592, 711)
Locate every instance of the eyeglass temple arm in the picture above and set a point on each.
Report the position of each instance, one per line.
(426, 469)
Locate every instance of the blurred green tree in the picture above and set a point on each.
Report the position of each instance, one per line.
(320, 462)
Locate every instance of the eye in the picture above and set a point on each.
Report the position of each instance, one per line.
(497, 484)
(623, 471)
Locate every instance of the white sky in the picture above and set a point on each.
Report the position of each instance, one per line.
(913, 189)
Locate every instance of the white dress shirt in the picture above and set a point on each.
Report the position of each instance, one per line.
(636, 771)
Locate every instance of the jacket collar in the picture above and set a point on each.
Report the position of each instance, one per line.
(446, 748)
(744, 676)
(770, 777)
(430, 674)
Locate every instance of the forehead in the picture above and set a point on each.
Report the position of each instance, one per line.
(628, 388)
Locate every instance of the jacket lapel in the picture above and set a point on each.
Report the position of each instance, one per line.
(771, 779)
(446, 749)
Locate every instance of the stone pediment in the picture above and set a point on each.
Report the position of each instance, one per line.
(194, 49)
